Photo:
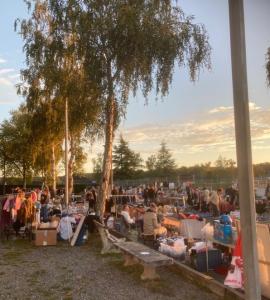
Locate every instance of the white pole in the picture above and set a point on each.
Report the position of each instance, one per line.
(66, 153)
(243, 150)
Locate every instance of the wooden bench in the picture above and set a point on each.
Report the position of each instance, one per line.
(108, 240)
(135, 253)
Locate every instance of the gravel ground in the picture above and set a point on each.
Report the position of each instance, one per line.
(64, 272)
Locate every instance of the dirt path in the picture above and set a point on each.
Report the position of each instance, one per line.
(64, 272)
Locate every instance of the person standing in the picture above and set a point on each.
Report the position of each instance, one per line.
(150, 222)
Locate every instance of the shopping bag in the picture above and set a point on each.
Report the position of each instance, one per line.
(235, 276)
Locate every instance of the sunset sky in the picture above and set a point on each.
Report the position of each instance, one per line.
(196, 119)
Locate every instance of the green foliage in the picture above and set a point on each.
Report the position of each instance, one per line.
(126, 162)
(94, 53)
(222, 162)
(79, 156)
(268, 67)
(165, 164)
(97, 166)
(136, 44)
(151, 163)
(17, 143)
(54, 74)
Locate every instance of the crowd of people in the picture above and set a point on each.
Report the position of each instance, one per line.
(155, 202)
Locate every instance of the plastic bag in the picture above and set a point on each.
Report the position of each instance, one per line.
(208, 231)
(235, 276)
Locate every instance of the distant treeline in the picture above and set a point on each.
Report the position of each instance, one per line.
(199, 174)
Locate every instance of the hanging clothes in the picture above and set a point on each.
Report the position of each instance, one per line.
(5, 218)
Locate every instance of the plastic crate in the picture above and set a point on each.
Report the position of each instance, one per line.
(214, 260)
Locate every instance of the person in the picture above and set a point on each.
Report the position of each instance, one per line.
(110, 221)
(145, 196)
(267, 191)
(150, 223)
(260, 207)
(126, 220)
(126, 215)
(226, 205)
(91, 200)
(64, 228)
(214, 204)
(151, 194)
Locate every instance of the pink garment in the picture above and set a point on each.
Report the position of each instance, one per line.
(7, 203)
(34, 196)
(18, 202)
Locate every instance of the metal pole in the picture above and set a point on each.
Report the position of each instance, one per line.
(243, 150)
(66, 153)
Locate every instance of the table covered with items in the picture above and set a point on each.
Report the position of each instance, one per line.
(209, 244)
(42, 220)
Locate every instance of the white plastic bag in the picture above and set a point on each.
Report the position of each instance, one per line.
(208, 231)
(234, 278)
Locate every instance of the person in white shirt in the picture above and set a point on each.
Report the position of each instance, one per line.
(126, 215)
(65, 228)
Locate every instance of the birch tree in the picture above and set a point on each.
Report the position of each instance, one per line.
(135, 45)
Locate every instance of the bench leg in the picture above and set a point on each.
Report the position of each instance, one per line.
(149, 273)
(108, 246)
(130, 260)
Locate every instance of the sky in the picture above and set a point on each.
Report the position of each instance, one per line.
(195, 119)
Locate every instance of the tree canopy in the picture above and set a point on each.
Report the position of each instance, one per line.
(126, 162)
(268, 67)
(165, 163)
(94, 54)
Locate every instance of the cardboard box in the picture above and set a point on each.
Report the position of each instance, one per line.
(46, 237)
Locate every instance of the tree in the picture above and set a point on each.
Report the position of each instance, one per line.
(223, 162)
(17, 143)
(125, 161)
(268, 66)
(48, 132)
(55, 75)
(97, 166)
(119, 47)
(132, 45)
(165, 163)
(151, 163)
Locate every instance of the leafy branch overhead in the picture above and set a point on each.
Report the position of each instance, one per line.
(268, 67)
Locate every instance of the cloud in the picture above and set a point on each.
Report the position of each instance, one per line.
(15, 76)
(2, 61)
(5, 81)
(5, 71)
(7, 100)
(220, 109)
(210, 132)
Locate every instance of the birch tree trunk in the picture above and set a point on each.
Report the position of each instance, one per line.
(107, 159)
(53, 171)
(24, 176)
(71, 167)
(4, 177)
